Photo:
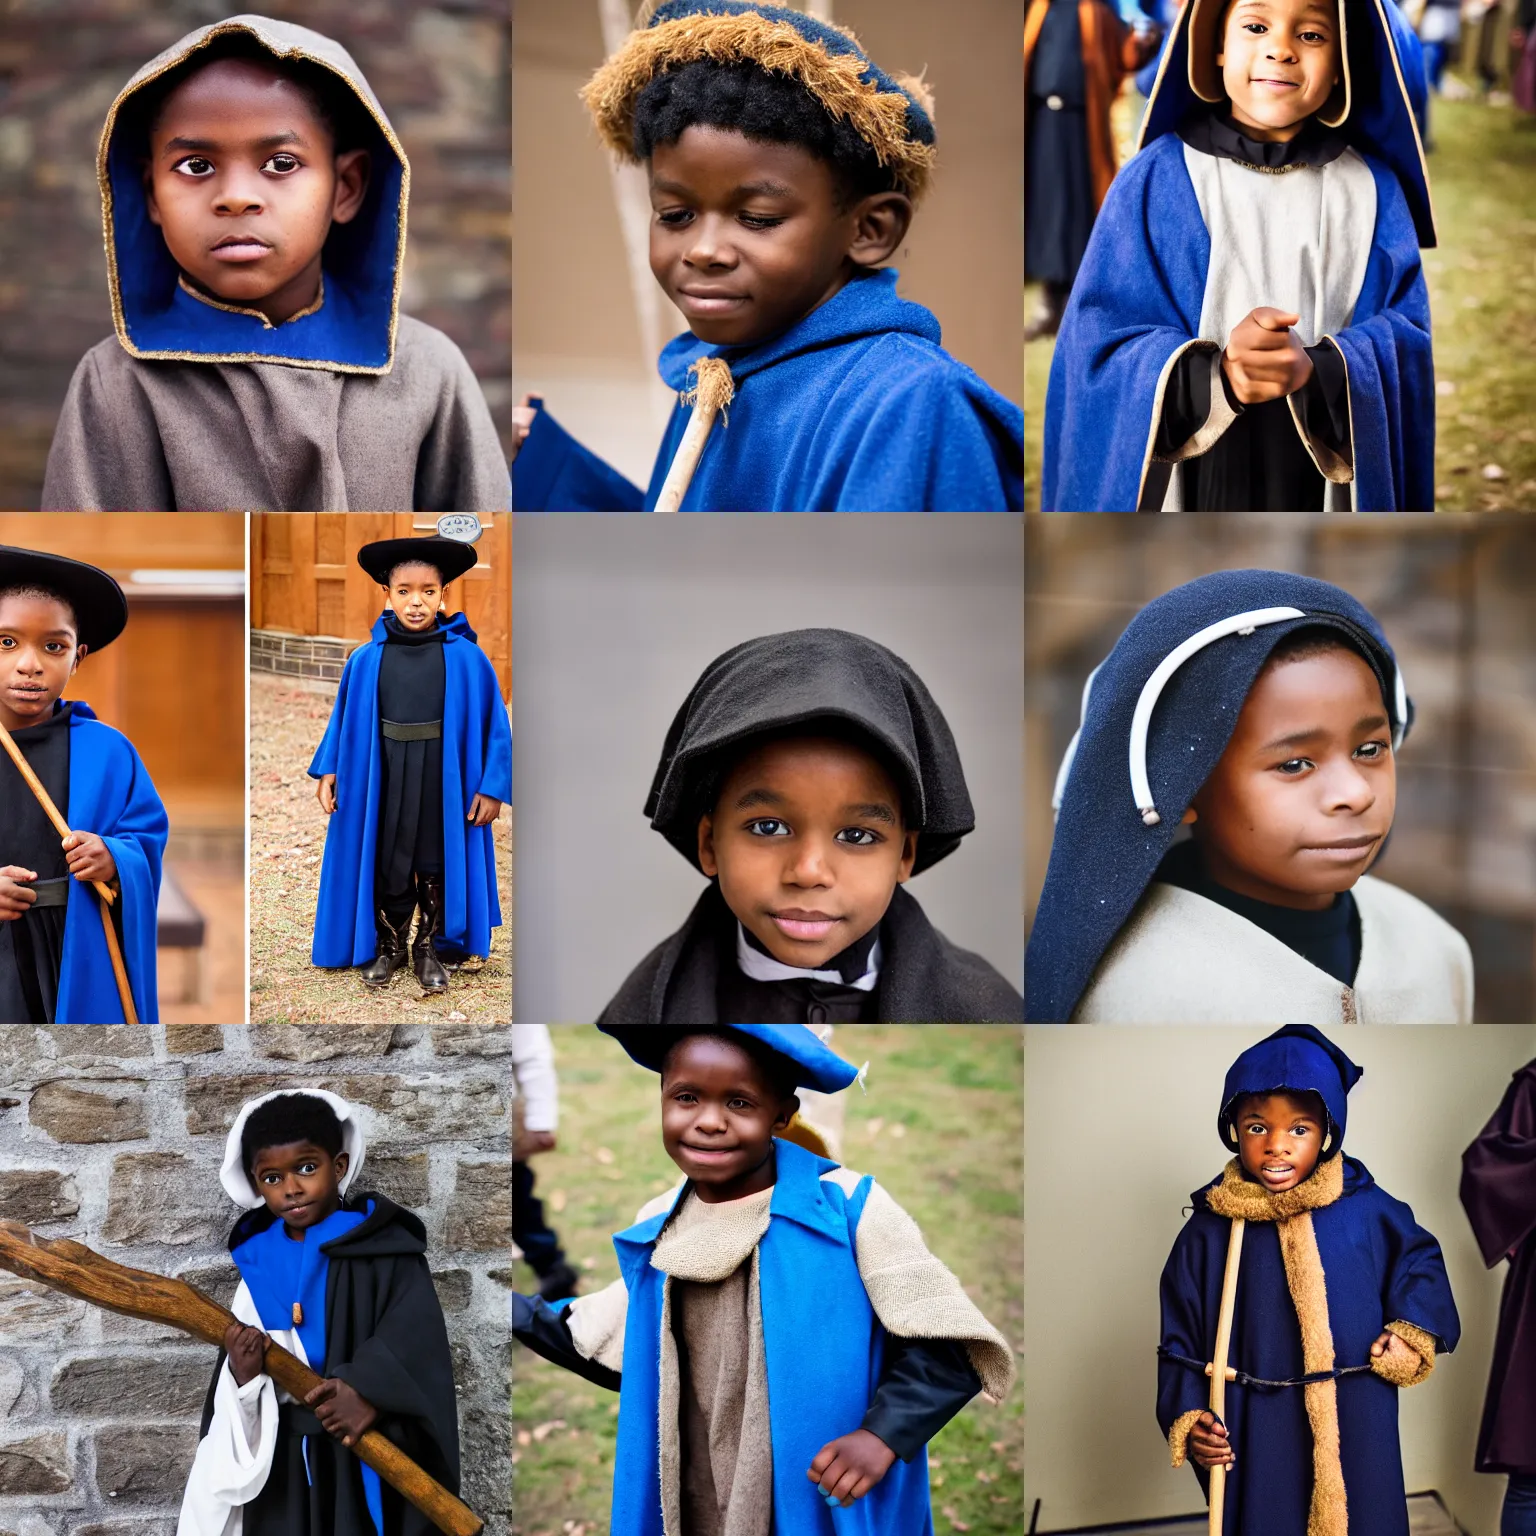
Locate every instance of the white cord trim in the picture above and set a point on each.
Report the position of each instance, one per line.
(1062, 773)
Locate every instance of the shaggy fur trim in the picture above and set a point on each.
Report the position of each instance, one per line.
(835, 80)
(1329, 1514)
(597, 1322)
(1178, 1436)
(1236, 1195)
(1421, 1343)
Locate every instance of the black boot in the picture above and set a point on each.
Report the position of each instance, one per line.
(394, 927)
(429, 969)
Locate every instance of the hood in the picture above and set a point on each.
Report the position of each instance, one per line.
(453, 625)
(1157, 715)
(1299, 1058)
(237, 1183)
(352, 329)
(800, 677)
(387, 1230)
(1372, 109)
(801, 1053)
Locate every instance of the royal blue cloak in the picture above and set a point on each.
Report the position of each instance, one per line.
(823, 1345)
(857, 408)
(111, 794)
(477, 759)
(1138, 297)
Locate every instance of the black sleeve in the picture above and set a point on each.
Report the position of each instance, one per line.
(1323, 401)
(924, 1383)
(1187, 401)
(546, 1332)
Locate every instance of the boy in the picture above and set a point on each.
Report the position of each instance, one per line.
(1264, 712)
(784, 167)
(782, 1342)
(54, 963)
(413, 769)
(1250, 327)
(808, 776)
(536, 1092)
(254, 198)
(1341, 1300)
(341, 1281)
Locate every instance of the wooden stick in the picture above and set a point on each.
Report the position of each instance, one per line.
(1220, 1374)
(102, 889)
(77, 1271)
(713, 392)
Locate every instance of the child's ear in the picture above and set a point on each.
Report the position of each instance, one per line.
(343, 1162)
(787, 1111)
(880, 224)
(80, 654)
(151, 207)
(352, 171)
(707, 861)
(908, 857)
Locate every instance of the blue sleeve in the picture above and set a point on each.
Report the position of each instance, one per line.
(1187, 1329)
(1418, 1290)
(554, 473)
(329, 750)
(496, 780)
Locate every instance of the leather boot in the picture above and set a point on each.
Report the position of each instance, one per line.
(429, 969)
(394, 929)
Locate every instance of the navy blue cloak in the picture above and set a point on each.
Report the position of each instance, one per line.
(477, 759)
(857, 408)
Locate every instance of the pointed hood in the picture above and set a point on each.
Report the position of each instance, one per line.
(1296, 1059)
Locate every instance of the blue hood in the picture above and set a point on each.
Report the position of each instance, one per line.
(351, 331)
(1299, 1059)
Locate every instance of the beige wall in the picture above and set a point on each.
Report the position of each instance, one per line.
(1120, 1127)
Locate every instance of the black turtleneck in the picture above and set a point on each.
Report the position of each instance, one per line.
(411, 685)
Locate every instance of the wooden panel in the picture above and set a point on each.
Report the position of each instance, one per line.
(123, 541)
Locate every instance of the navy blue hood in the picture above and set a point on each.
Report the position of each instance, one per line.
(1299, 1058)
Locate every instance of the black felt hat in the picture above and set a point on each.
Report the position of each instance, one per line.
(101, 610)
(450, 557)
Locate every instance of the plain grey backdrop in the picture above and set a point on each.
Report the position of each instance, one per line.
(613, 619)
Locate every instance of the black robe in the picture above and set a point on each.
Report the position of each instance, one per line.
(411, 685)
(1058, 184)
(385, 1337)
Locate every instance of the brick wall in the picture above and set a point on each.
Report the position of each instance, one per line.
(113, 1135)
(313, 656)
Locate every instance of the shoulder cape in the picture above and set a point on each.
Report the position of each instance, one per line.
(477, 759)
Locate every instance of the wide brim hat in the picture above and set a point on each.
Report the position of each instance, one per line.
(451, 557)
(1205, 74)
(237, 1183)
(892, 113)
(101, 610)
(811, 1064)
(1298, 1058)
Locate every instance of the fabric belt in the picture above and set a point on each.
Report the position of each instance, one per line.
(51, 893)
(1243, 1379)
(421, 730)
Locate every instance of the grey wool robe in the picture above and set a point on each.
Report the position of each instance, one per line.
(195, 404)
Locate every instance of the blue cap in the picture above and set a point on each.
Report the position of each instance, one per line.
(1299, 1058)
(812, 1064)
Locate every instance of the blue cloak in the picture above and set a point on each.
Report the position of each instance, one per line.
(857, 408)
(477, 759)
(111, 794)
(823, 1345)
(1138, 296)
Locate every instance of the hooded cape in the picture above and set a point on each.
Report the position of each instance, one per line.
(477, 759)
(1137, 302)
(856, 408)
(243, 414)
(1105, 853)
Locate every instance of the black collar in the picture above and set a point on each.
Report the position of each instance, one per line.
(395, 633)
(1212, 131)
(850, 963)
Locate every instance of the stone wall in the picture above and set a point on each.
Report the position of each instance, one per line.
(113, 1135)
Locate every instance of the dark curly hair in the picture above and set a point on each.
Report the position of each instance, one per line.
(283, 1121)
(761, 105)
(44, 594)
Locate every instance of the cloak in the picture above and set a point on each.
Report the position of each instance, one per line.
(477, 759)
(1137, 305)
(1498, 1192)
(856, 408)
(1327, 1266)
(348, 406)
(1157, 716)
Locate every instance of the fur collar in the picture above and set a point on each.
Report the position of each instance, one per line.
(1235, 1195)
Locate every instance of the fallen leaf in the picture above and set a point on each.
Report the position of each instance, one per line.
(873, 1128)
(545, 1430)
(1445, 386)
(524, 1438)
(589, 1263)
(898, 1130)
(604, 1154)
(556, 1199)
(1492, 472)
(999, 1446)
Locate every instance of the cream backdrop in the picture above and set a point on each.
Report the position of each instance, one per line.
(1120, 1127)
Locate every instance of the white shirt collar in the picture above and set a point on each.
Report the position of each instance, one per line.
(761, 967)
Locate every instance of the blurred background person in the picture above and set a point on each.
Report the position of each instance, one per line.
(536, 1100)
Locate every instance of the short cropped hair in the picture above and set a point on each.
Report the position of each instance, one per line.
(400, 565)
(43, 594)
(290, 1118)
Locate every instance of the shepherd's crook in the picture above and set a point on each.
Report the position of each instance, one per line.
(73, 1268)
(713, 391)
(35, 784)
(1218, 1369)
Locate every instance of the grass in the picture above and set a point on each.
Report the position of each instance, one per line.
(1482, 293)
(941, 1127)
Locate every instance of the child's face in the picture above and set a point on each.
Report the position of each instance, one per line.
(1279, 61)
(300, 1182)
(1279, 1138)
(38, 656)
(719, 1112)
(807, 840)
(415, 592)
(244, 182)
(749, 237)
(1298, 806)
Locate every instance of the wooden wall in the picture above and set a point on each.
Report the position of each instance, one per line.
(306, 579)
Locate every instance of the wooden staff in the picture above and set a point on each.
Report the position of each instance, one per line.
(1218, 1370)
(714, 391)
(44, 799)
(74, 1269)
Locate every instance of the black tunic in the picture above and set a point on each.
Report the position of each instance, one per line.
(411, 684)
(1058, 182)
(799, 999)
(32, 947)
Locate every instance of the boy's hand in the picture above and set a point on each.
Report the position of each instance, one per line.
(530, 1142)
(1208, 1445)
(89, 858)
(522, 421)
(1265, 359)
(342, 1411)
(1390, 1347)
(846, 1469)
(325, 793)
(15, 895)
(247, 1352)
(483, 811)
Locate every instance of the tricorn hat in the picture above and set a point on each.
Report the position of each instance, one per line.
(101, 610)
